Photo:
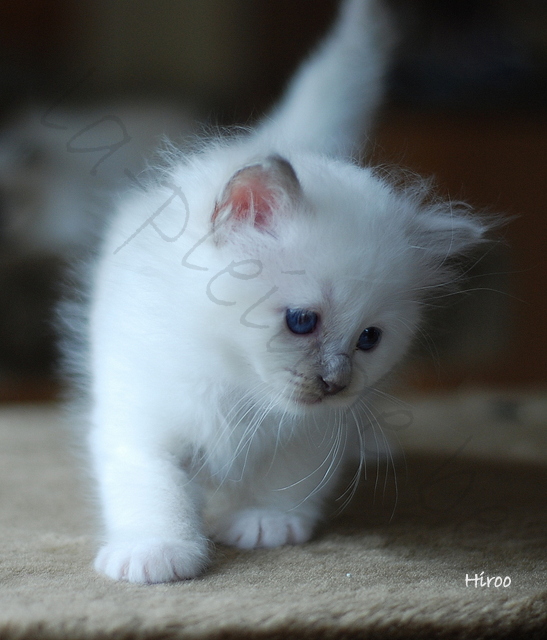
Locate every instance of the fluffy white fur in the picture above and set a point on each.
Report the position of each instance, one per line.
(210, 417)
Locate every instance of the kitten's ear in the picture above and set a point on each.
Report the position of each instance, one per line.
(445, 233)
(256, 193)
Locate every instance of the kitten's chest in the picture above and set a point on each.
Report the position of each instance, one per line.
(239, 446)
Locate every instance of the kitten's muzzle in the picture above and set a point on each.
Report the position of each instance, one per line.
(329, 379)
(331, 388)
(336, 374)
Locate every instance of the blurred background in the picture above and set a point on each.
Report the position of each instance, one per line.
(88, 88)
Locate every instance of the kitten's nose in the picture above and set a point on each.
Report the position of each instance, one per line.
(336, 374)
(331, 388)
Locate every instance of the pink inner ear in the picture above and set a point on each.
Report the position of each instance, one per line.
(252, 195)
(248, 193)
(254, 192)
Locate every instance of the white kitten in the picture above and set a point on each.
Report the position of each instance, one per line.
(242, 309)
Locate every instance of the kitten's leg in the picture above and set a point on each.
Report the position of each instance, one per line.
(152, 524)
(282, 502)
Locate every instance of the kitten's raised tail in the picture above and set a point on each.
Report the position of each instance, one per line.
(331, 101)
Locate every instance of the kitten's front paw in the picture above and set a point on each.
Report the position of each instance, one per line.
(152, 560)
(253, 528)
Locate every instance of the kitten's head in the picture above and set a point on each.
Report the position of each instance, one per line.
(330, 266)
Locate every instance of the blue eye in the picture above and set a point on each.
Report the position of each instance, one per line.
(369, 338)
(301, 320)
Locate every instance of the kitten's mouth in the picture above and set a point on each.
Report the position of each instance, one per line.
(309, 400)
(305, 400)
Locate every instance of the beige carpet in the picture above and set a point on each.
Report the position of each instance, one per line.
(471, 499)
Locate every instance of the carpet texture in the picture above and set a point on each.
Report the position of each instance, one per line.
(468, 499)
